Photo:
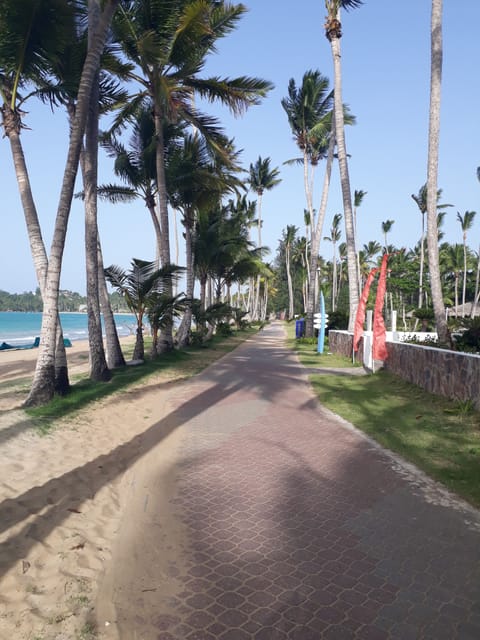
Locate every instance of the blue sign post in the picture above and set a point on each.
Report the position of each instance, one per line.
(321, 331)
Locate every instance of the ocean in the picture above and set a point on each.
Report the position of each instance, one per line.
(18, 328)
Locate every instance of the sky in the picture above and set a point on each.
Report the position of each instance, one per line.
(386, 76)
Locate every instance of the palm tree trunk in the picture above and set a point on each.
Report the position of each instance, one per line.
(186, 324)
(43, 385)
(114, 351)
(464, 283)
(316, 234)
(345, 182)
(289, 283)
(166, 334)
(98, 364)
(477, 291)
(422, 264)
(432, 172)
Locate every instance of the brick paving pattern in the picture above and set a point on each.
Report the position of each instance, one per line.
(300, 528)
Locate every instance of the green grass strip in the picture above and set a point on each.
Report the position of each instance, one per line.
(439, 436)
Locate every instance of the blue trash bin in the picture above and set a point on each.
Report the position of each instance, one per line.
(300, 328)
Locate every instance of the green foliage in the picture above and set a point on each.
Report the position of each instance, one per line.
(469, 340)
(224, 329)
(337, 320)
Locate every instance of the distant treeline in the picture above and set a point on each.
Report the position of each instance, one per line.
(68, 301)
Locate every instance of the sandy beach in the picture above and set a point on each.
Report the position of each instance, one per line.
(61, 500)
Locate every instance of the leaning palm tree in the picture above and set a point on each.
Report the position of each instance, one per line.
(333, 31)
(432, 171)
(43, 386)
(168, 43)
(261, 178)
(32, 37)
(466, 222)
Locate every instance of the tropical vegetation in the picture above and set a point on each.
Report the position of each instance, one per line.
(131, 75)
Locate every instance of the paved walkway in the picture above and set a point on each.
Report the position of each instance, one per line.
(270, 519)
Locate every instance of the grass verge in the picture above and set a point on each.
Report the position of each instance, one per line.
(439, 436)
(169, 367)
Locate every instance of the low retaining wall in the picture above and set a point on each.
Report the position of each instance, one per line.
(451, 374)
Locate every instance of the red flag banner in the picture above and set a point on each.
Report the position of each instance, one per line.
(379, 332)
(360, 317)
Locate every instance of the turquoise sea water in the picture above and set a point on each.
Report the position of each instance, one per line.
(21, 328)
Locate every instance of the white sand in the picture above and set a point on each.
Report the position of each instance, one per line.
(61, 500)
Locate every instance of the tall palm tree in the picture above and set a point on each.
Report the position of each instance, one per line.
(32, 37)
(334, 237)
(358, 196)
(452, 259)
(386, 228)
(309, 112)
(198, 176)
(169, 42)
(27, 37)
(466, 222)
(432, 171)
(333, 31)
(420, 199)
(261, 178)
(289, 236)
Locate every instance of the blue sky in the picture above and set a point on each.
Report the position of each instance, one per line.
(386, 72)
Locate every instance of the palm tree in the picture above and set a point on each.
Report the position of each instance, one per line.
(168, 43)
(333, 31)
(421, 201)
(261, 178)
(309, 113)
(358, 196)
(288, 240)
(452, 258)
(140, 288)
(31, 40)
(466, 222)
(386, 227)
(334, 237)
(32, 26)
(197, 177)
(432, 172)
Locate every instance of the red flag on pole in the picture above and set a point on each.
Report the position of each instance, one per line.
(360, 317)
(379, 331)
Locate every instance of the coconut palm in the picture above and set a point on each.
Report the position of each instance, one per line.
(31, 40)
(421, 201)
(452, 260)
(466, 222)
(334, 237)
(358, 196)
(261, 178)
(198, 176)
(140, 288)
(288, 241)
(386, 228)
(29, 30)
(333, 31)
(309, 112)
(168, 42)
(432, 171)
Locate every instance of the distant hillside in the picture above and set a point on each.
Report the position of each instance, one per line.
(68, 301)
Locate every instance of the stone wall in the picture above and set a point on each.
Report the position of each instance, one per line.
(451, 374)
